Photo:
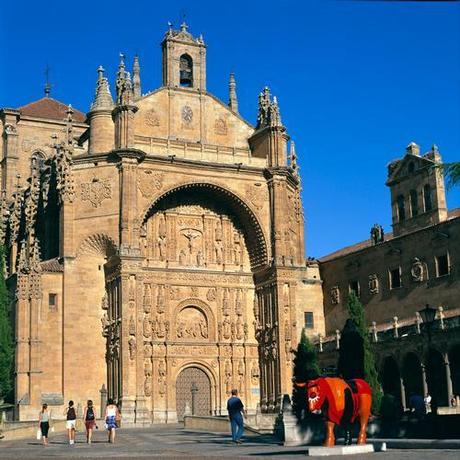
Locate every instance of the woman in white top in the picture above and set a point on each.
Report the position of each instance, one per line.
(112, 416)
(44, 419)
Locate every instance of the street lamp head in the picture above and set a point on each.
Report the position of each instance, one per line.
(428, 314)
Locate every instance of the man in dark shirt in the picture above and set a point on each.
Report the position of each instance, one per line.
(235, 407)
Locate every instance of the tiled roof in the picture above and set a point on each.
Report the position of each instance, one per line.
(48, 107)
(367, 243)
(52, 266)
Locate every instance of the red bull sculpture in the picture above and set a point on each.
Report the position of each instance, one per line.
(341, 402)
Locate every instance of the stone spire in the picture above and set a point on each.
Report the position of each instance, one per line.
(136, 78)
(123, 84)
(293, 160)
(269, 113)
(232, 98)
(103, 98)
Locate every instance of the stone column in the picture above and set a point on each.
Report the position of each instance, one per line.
(403, 393)
(450, 391)
(10, 118)
(424, 380)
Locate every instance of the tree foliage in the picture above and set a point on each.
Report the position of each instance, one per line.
(356, 314)
(452, 173)
(6, 338)
(305, 369)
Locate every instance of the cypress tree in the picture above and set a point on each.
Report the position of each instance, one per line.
(305, 369)
(356, 313)
(6, 338)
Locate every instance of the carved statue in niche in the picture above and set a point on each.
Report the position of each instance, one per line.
(417, 270)
(147, 350)
(182, 257)
(238, 304)
(105, 325)
(199, 258)
(228, 376)
(147, 380)
(287, 330)
(218, 231)
(335, 295)
(147, 327)
(162, 247)
(192, 325)
(105, 302)
(161, 299)
(225, 304)
(218, 250)
(132, 326)
(233, 331)
(373, 284)
(246, 332)
(162, 226)
(255, 372)
(159, 326)
(237, 248)
(211, 294)
(161, 377)
(132, 347)
(239, 328)
(226, 329)
(147, 302)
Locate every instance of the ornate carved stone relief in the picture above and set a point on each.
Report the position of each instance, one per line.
(149, 182)
(335, 295)
(220, 127)
(256, 195)
(151, 118)
(417, 270)
(96, 191)
(192, 325)
(373, 284)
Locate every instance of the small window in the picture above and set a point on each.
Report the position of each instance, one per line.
(427, 198)
(52, 301)
(414, 202)
(354, 286)
(186, 71)
(395, 278)
(442, 265)
(308, 318)
(401, 208)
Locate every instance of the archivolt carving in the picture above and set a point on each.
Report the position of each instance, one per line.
(98, 244)
(242, 209)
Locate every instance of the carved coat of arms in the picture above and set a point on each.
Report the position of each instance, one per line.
(149, 182)
(96, 191)
(256, 195)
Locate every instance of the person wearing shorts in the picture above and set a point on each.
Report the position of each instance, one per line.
(89, 417)
(71, 421)
(44, 419)
(112, 415)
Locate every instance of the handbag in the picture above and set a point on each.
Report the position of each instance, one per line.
(39, 434)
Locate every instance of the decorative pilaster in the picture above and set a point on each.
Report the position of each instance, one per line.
(10, 118)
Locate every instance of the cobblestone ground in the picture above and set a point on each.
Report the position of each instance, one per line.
(173, 442)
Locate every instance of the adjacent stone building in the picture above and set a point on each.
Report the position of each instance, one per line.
(156, 246)
(395, 275)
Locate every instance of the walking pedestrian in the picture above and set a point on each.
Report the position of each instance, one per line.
(71, 421)
(235, 410)
(112, 416)
(89, 418)
(44, 419)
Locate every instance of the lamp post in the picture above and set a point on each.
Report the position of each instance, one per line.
(428, 315)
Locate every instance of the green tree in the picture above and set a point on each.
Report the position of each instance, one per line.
(305, 369)
(6, 338)
(356, 314)
(452, 173)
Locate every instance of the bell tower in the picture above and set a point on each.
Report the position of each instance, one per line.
(184, 59)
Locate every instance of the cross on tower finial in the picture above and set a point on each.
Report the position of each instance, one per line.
(47, 82)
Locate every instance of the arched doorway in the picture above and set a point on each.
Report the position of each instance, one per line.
(412, 376)
(390, 379)
(193, 389)
(454, 360)
(436, 378)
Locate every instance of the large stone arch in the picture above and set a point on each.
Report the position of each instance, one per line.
(253, 231)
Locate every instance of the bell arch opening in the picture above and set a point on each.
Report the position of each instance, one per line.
(219, 203)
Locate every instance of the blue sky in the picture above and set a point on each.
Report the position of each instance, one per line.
(356, 81)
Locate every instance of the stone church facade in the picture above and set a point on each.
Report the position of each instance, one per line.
(155, 246)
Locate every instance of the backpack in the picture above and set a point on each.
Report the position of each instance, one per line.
(71, 414)
(90, 414)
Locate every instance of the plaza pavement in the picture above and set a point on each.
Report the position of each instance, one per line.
(172, 441)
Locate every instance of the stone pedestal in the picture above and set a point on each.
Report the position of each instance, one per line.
(341, 450)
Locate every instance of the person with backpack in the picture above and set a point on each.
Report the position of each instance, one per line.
(71, 421)
(89, 417)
